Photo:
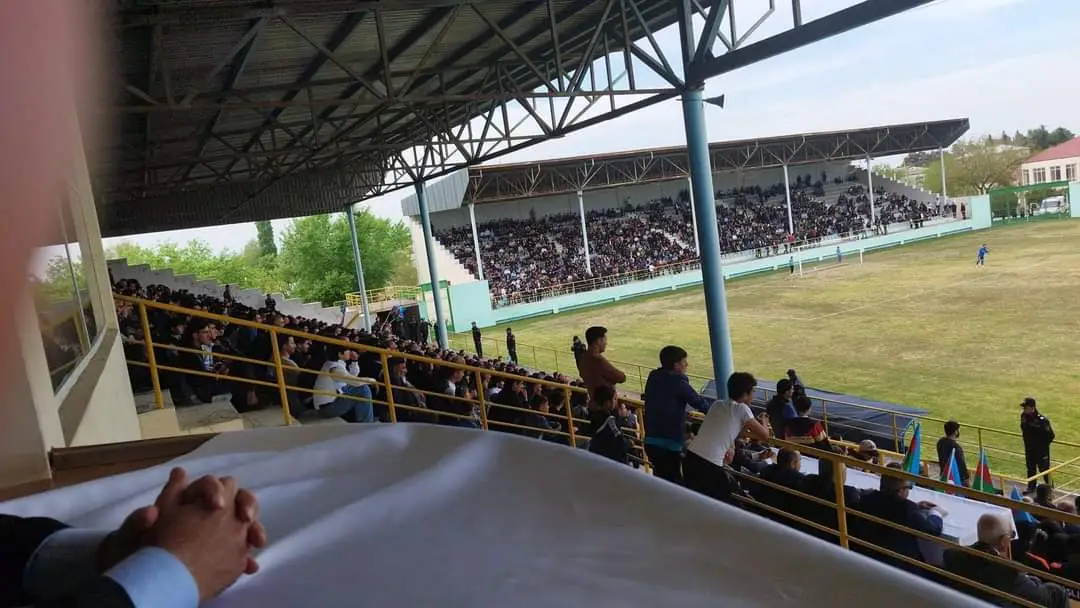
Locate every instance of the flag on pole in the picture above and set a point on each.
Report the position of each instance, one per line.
(982, 480)
(913, 457)
(1020, 516)
(952, 473)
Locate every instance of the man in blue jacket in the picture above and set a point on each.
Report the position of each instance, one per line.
(667, 395)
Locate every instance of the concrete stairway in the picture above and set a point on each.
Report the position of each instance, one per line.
(254, 298)
(450, 269)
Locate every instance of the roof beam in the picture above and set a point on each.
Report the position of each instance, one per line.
(863, 13)
(235, 71)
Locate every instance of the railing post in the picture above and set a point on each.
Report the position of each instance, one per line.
(897, 440)
(536, 362)
(385, 361)
(569, 418)
(280, 373)
(151, 359)
(825, 414)
(556, 360)
(641, 379)
(839, 474)
(481, 399)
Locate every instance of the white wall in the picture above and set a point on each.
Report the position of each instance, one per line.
(1046, 165)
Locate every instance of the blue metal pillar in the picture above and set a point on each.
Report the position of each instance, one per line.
(697, 146)
(433, 267)
(359, 268)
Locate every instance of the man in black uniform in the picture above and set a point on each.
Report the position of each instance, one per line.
(477, 343)
(1038, 435)
(511, 345)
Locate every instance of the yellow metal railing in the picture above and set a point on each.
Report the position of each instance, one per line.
(1005, 448)
(575, 429)
(384, 294)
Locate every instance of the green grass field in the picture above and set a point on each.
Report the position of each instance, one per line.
(918, 325)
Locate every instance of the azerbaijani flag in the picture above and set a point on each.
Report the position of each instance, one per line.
(952, 475)
(1019, 515)
(913, 457)
(982, 480)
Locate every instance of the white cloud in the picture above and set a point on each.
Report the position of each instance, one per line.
(959, 9)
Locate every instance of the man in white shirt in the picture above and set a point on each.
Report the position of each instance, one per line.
(714, 445)
(340, 376)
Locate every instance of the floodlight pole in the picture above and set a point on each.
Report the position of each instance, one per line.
(433, 266)
(870, 185)
(712, 276)
(693, 214)
(584, 230)
(359, 268)
(476, 242)
(787, 196)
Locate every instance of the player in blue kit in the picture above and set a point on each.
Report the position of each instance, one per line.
(981, 261)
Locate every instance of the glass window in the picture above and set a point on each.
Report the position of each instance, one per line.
(1070, 172)
(1025, 179)
(1055, 174)
(61, 299)
(1040, 176)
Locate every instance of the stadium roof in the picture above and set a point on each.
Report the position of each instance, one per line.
(495, 183)
(241, 110)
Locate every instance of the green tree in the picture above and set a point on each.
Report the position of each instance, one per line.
(197, 258)
(975, 167)
(56, 285)
(315, 258)
(267, 246)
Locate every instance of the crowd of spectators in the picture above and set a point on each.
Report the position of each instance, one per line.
(526, 256)
(704, 456)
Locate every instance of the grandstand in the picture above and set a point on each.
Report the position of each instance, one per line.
(242, 111)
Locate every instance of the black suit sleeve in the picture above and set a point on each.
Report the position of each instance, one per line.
(19, 538)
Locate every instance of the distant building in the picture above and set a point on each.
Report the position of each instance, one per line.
(1056, 164)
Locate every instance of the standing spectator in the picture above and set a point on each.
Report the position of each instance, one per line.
(667, 395)
(714, 446)
(595, 370)
(511, 345)
(779, 408)
(1038, 435)
(476, 340)
(949, 445)
(271, 305)
(424, 330)
(227, 296)
(577, 348)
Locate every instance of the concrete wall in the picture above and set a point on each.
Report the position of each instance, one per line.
(474, 304)
(1074, 199)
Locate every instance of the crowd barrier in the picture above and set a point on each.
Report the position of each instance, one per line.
(1004, 448)
(281, 379)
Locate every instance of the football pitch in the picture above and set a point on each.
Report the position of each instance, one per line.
(918, 325)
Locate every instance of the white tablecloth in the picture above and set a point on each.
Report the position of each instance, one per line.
(962, 513)
(415, 515)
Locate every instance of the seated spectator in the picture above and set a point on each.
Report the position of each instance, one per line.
(995, 539)
(804, 430)
(890, 502)
(606, 438)
(667, 395)
(340, 376)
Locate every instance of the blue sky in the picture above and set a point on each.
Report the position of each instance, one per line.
(1005, 64)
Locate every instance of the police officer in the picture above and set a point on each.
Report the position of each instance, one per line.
(1038, 435)
(477, 340)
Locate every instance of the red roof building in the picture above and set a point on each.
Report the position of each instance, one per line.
(1060, 163)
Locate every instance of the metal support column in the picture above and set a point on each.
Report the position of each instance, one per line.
(584, 230)
(870, 185)
(433, 266)
(787, 197)
(693, 214)
(359, 268)
(476, 242)
(944, 188)
(697, 146)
